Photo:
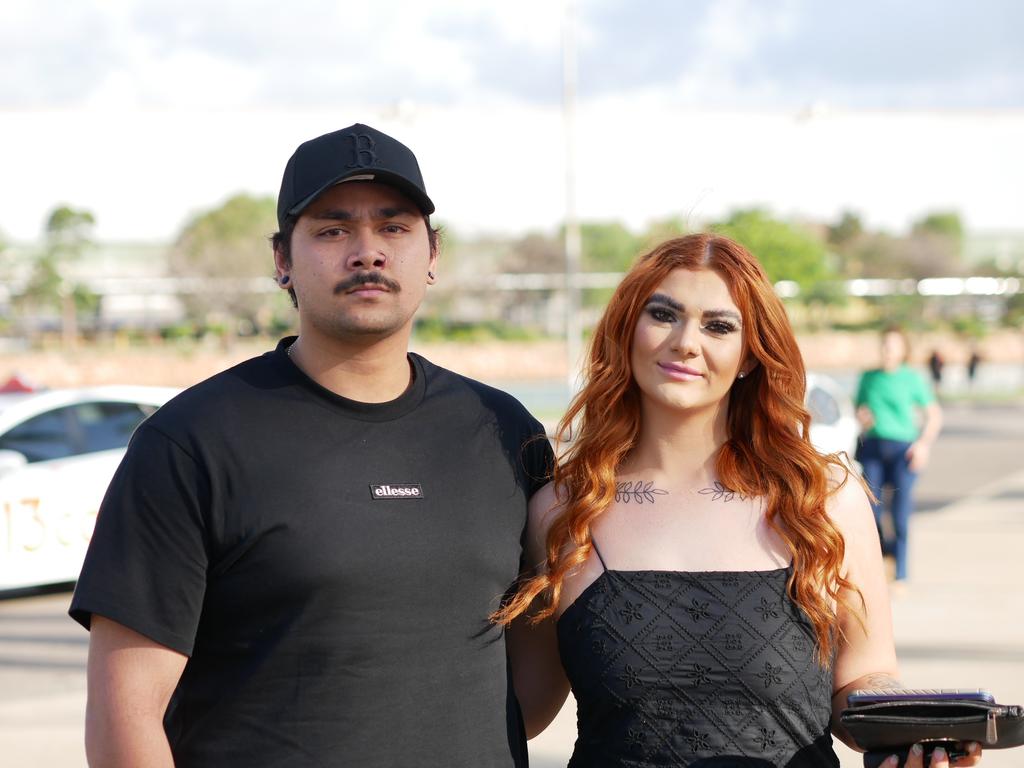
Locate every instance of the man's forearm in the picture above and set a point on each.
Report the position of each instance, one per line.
(932, 424)
(125, 740)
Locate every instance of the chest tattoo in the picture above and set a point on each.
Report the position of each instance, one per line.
(639, 491)
(719, 492)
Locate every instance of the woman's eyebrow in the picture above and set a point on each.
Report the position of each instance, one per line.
(717, 313)
(668, 301)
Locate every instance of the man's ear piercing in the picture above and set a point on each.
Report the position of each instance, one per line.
(430, 275)
(284, 279)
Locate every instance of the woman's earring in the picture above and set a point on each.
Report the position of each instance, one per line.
(741, 375)
(430, 275)
(284, 279)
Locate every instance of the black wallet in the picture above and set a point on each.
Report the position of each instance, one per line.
(892, 727)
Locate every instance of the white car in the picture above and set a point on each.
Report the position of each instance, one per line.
(833, 421)
(58, 450)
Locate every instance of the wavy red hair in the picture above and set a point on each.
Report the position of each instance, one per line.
(768, 452)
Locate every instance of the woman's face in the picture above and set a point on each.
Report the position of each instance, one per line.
(689, 345)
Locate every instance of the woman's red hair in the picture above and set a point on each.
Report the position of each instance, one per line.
(768, 452)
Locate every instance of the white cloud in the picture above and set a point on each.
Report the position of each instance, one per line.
(145, 110)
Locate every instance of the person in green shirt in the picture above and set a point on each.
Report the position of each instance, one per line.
(900, 419)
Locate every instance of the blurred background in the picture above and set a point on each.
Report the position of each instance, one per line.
(869, 154)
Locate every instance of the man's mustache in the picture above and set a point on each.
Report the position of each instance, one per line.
(366, 278)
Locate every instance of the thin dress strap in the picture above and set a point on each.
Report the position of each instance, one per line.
(597, 552)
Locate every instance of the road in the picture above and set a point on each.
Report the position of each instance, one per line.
(43, 653)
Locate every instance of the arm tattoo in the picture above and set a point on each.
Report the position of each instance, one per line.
(638, 491)
(878, 680)
(719, 491)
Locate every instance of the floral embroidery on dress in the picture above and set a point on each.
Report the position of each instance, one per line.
(698, 610)
(698, 741)
(700, 675)
(766, 737)
(634, 737)
(630, 676)
(693, 668)
(771, 675)
(631, 611)
(768, 609)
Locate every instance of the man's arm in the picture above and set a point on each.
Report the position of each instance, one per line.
(131, 679)
(537, 673)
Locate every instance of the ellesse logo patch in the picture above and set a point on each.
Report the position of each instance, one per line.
(397, 491)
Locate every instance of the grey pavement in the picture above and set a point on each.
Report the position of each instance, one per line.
(959, 624)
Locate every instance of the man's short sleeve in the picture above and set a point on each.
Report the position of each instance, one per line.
(147, 561)
(538, 458)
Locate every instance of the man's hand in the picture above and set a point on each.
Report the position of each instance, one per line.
(918, 454)
(865, 418)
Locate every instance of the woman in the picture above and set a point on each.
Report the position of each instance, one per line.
(892, 449)
(709, 584)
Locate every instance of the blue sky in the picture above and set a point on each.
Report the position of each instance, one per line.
(913, 54)
(147, 110)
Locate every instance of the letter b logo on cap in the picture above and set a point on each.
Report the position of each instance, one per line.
(363, 154)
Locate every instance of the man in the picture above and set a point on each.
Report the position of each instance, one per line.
(297, 557)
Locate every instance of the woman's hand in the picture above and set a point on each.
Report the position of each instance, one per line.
(940, 758)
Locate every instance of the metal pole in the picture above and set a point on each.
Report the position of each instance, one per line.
(573, 329)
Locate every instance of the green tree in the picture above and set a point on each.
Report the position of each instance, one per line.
(534, 252)
(787, 251)
(51, 284)
(846, 230)
(944, 223)
(936, 245)
(607, 246)
(226, 248)
(660, 230)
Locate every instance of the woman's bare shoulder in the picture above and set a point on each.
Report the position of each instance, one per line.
(848, 503)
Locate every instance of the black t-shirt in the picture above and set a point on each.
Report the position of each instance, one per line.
(328, 566)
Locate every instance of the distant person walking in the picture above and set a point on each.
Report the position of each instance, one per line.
(935, 365)
(972, 367)
(893, 448)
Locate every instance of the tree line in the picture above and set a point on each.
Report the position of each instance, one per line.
(227, 247)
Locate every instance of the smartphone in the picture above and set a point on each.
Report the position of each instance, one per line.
(882, 695)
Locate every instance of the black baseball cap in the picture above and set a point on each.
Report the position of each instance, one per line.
(356, 153)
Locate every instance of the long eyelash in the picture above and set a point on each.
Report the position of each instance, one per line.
(656, 310)
(722, 327)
